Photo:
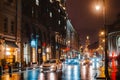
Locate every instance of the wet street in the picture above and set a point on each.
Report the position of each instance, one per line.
(69, 72)
(34, 74)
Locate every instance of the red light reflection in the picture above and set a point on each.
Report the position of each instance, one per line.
(114, 68)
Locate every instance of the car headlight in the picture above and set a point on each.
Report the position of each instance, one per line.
(52, 66)
(41, 66)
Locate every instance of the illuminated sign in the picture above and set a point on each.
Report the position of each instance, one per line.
(33, 43)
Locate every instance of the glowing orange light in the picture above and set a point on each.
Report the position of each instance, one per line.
(67, 49)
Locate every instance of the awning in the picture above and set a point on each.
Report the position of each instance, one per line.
(11, 44)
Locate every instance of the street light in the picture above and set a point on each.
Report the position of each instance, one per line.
(106, 41)
(97, 7)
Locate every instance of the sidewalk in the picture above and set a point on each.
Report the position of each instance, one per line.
(19, 69)
(101, 75)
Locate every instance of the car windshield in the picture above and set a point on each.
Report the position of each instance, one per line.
(46, 62)
(52, 61)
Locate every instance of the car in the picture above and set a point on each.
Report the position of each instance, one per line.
(56, 62)
(51, 65)
(46, 66)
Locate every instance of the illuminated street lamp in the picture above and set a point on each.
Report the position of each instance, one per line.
(105, 28)
(97, 7)
(102, 33)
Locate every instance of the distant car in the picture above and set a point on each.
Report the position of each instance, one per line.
(51, 65)
(72, 61)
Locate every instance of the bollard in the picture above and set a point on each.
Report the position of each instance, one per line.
(1, 70)
(10, 69)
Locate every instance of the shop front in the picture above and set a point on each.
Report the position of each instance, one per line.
(114, 48)
(9, 53)
(114, 44)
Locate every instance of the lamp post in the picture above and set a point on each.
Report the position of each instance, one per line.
(106, 33)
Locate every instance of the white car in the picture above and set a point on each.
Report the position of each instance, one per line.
(51, 65)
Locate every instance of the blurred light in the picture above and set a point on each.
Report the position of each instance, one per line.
(7, 53)
(37, 2)
(41, 76)
(87, 37)
(7, 49)
(33, 43)
(102, 33)
(44, 44)
(113, 75)
(51, 1)
(103, 40)
(50, 14)
(47, 49)
(68, 41)
(97, 7)
(52, 76)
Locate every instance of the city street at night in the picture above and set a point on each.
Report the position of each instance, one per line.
(59, 39)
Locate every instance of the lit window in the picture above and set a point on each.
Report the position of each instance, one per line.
(37, 2)
(59, 22)
(32, 11)
(50, 14)
(59, 10)
(51, 1)
(64, 17)
(65, 27)
(119, 41)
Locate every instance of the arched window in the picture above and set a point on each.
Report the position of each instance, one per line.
(119, 42)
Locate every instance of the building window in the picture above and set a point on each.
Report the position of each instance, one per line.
(65, 27)
(50, 14)
(37, 2)
(65, 18)
(26, 53)
(59, 22)
(59, 10)
(32, 11)
(6, 25)
(12, 27)
(119, 42)
(51, 1)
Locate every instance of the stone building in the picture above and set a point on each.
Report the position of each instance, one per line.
(10, 31)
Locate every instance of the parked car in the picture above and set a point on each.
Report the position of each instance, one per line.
(51, 65)
(57, 62)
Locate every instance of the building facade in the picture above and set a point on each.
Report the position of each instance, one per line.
(32, 31)
(43, 30)
(114, 38)
(10, 31)
(114, 43)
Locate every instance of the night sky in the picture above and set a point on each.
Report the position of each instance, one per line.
(86, 20)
